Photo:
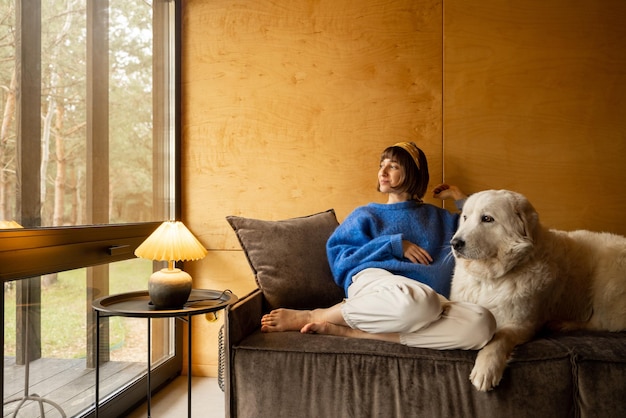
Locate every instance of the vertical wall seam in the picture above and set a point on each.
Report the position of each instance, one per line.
(443, 94)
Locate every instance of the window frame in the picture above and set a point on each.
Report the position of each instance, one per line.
(33, 252)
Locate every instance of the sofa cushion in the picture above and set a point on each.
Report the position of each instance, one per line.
(288, 259)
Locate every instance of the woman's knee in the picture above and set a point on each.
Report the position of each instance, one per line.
(418, 308)
(395, 304)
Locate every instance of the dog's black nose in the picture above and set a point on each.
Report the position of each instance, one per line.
(457, 244)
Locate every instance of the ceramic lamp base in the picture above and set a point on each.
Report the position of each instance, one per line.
(169, 289)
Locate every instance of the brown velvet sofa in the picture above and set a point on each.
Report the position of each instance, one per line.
(294, 375)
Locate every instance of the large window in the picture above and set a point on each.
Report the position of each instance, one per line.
(89, 165)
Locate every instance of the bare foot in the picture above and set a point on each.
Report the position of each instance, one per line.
(326, 328)
(283, 319)
(280, 320)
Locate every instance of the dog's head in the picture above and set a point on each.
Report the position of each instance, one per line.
(495, 233)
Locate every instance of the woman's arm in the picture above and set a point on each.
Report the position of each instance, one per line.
(354, 243)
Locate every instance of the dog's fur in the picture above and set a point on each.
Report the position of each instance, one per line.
(529, 276)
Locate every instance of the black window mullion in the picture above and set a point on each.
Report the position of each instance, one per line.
(97, 159)
(97, 111)
(28, 67)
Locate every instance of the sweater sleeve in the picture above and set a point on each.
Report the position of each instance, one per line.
(353, 244)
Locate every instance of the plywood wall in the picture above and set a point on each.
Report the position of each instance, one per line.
(535, 101)
(286, 108)
(287, 104)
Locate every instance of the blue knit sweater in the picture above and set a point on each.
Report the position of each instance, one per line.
(371, 236)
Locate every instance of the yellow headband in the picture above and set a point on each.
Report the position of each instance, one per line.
(412, 149)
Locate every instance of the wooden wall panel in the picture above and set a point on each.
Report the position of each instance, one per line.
(534, 101)
(286, 108)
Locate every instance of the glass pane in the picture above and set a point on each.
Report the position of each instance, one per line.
(95, 119)
(61, 373)
(130, 112)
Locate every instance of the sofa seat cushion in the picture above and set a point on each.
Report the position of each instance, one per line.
(551, 376)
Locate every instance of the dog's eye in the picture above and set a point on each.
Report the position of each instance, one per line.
(486, 218)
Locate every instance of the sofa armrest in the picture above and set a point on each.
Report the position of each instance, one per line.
(243, 317)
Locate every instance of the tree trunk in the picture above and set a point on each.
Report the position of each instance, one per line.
(59, 181)
(6, 160)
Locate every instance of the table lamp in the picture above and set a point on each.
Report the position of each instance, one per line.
(169, 288)
(9, 225)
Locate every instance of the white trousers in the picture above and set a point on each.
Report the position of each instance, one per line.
(381, 302)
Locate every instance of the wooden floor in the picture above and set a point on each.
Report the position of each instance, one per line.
(66, 382)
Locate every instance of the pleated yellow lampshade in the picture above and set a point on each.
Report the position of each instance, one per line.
(171, 241)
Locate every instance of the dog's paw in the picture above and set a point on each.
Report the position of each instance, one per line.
(487, 372)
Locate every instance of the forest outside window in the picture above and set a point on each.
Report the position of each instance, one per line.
(89, 166)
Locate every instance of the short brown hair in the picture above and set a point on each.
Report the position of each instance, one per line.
(415, 181)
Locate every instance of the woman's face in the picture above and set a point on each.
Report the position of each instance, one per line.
(390, 175)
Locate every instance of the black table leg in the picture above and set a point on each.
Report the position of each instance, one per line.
(189, 366)
(97, 362)
(149, 366)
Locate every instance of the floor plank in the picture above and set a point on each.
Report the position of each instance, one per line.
(66, 382)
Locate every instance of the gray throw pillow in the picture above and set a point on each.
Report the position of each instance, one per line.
(288, 259)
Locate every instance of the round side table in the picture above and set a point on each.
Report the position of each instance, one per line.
(138, 305)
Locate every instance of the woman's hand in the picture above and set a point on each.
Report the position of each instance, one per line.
(445, 191)
(415, 253)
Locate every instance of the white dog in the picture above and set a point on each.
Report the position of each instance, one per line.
(529, 276)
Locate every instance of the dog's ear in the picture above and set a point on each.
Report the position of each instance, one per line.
(526, 220)
(528, 216)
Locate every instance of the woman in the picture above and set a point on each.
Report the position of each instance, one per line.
(394, 262)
